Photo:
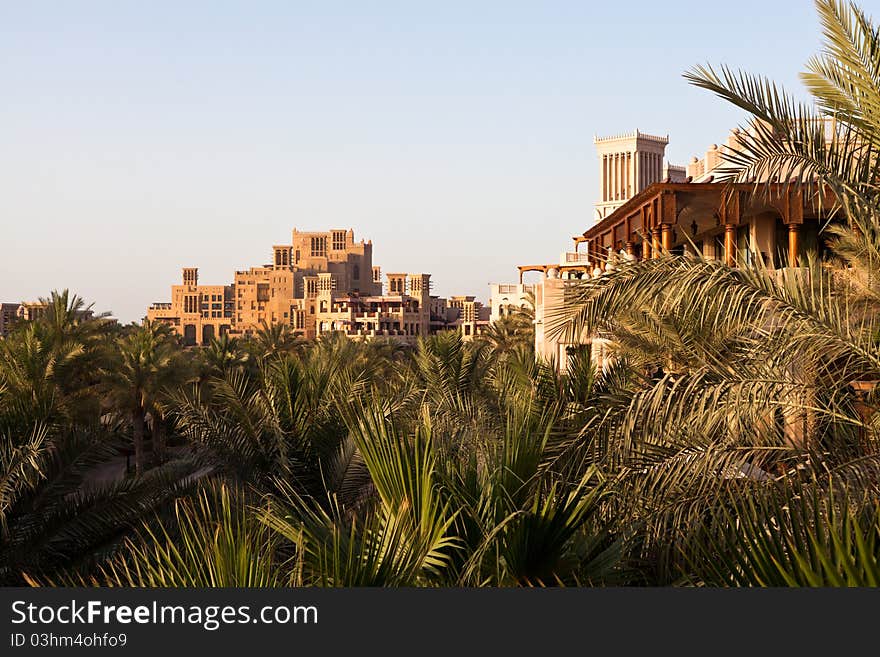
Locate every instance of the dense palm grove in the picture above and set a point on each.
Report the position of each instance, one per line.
(272, 461)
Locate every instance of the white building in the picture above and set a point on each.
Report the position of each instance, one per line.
(505, 298)
(629, 164)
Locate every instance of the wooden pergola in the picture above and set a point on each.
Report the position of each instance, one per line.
(545, 268)
(667, 215)
(655, 219)
(524, 268)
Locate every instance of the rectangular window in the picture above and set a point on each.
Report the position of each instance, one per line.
(319, 247)
(338, 240)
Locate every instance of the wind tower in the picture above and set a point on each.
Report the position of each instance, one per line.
(628, 163)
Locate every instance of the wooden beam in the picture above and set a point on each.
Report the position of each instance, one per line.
(667, 208)
(795, 207)
(730, 209)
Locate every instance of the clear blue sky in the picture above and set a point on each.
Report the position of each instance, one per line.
(140, 137)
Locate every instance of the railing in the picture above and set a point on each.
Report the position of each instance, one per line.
(512, 288)
(578, 258)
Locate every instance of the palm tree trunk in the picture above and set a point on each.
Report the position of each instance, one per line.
(137, 424)
(158, 439)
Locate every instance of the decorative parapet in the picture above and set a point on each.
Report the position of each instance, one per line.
(573, 258)
(632, 135)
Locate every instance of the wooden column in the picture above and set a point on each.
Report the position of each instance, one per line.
(730, 244)
(794, 248)
(666, 235)
(655, 243)
(630, 248)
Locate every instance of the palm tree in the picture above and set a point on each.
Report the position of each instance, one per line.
(452, 373)
(139, 366)
(513, 330)
(273, 340)
(56, 354)
(790, 533)
(507, 513)
(508, 333)
(32, 379)
(758, 366)
(213, 539)
(222, 354)
(279, 420)
(371, 484)
(55, 513)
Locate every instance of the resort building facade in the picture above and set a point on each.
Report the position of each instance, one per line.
(685, 211)
(321, 282)
(196, 312)
(508, 298)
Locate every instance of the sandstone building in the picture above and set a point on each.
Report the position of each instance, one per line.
(197, 312)
(647, 206)
(320, 282)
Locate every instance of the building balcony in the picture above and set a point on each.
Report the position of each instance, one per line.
(512, 288)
